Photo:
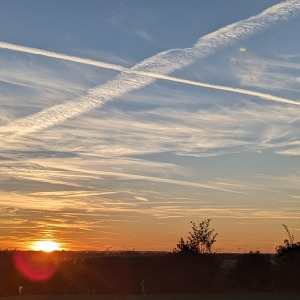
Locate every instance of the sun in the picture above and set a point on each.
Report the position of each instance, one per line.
(46, 246)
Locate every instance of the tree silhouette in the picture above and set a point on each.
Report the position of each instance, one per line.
(288, 262)
(199, 241)
(289, 246)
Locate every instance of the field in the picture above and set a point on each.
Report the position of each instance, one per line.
(235, 296)
(81, 275)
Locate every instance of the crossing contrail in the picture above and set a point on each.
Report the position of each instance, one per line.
(159, 65)
(115, 67)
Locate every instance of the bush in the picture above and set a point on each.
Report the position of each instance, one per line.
(252, 272)
(200, 240)
(289, 246)
(288, 263)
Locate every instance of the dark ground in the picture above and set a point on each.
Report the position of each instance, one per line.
(212, 277)
(230, 296)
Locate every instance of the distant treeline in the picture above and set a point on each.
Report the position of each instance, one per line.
(64, 272)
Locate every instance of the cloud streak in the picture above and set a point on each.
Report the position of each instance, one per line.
(163, 64)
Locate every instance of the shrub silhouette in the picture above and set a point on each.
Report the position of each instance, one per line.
(199, 241)
(289, 247)
(252, 272)
(288, 263)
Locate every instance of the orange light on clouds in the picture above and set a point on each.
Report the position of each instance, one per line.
(46, 246)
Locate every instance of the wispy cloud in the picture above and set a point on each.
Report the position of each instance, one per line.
(173, 211)
(199, 132)
(69, 173)
(143, 34)
(90, 154)
(265, 74)
(163, 63)
(44, 79)
(139, 198)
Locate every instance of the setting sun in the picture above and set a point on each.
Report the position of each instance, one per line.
(46, 246)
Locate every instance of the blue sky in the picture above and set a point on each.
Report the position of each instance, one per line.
(96, 157)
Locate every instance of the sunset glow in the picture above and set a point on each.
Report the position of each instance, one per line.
(123, 121)
(46, 246)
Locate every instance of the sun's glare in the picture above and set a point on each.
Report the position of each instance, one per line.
(46, 246)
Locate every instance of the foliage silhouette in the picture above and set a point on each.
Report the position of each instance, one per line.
(288, 263)
(199, 241)
(121, 273)
(289, 246)
(252, 272)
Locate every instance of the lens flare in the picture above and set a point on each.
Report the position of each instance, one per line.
(35, 266)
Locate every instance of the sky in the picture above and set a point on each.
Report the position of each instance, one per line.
(123, 121)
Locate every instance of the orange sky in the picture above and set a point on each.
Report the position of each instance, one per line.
(120, 124)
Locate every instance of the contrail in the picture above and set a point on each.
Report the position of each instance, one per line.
(226, 88)
(56, 55)
(162, 63)
(109, 66)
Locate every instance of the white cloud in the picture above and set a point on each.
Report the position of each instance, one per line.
(139, 198)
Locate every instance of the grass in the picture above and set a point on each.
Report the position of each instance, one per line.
(229, 296)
